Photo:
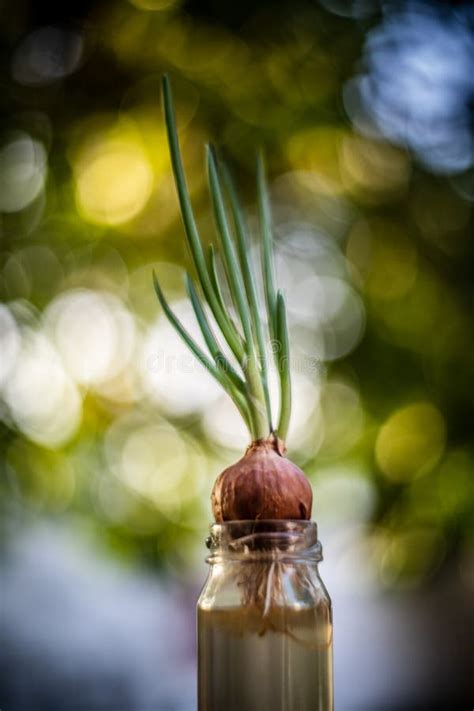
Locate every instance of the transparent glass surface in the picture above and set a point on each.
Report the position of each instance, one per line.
(264, 620)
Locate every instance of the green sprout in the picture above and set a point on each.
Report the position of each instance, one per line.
(249, 388)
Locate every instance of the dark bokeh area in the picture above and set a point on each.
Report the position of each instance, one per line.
(111, 435)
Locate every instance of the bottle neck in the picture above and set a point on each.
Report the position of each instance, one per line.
(281, 540)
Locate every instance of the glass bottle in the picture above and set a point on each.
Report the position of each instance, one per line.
(264, 620)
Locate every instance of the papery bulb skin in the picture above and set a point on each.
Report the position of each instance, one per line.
(264, 484)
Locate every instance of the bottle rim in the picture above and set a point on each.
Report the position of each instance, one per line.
(287, 540)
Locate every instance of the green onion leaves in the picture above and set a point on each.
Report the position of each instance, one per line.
(249, 388)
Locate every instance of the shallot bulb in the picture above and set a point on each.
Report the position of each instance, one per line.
(264, 484)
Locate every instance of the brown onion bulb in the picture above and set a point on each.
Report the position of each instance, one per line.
(264, 484)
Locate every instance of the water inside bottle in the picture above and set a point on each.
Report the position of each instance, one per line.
(278, 660)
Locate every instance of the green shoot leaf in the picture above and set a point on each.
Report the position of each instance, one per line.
(283, 368)
(269, 279)
(238, 398)
(243, 245)
(251, 368)
(190, 227)
(219, 358)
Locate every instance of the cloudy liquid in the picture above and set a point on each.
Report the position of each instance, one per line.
(280, 663)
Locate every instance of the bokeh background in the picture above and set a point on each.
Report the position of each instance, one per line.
(111, 435)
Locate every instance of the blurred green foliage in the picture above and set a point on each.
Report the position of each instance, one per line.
(104, 418)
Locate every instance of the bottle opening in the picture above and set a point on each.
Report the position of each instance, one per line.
(260, 539)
